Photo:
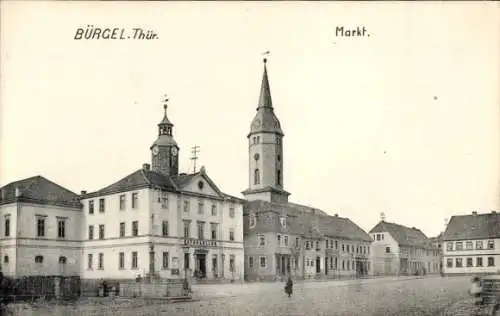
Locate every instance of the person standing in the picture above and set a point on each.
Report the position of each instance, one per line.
(289, 286)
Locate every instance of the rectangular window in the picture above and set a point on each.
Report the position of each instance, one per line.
(164, 228)
(263, 262)
(491, 261)
(61, 228)
(134, 260)
(388, 249)
(91, 207)
(449, 246)
(187, 232)
(469, 245)
(308, 246)
(449, 263)
(336, 244)
(491, 244)
(101, 231)
(286, 240)
(121, 260)
(231, 234)
(135, 200)
(459, 246)
(469, 262)
(231, 211)
(200, 207)
(165, 260)
(214, 210)
(90, 261)
(343, 248)
(123, 201)
(479, 244)
(317, 246)
(101, 261)
(122, 229)
(296, 242)
(262, 240)
(201, 230)
(458, 263)
(40, 227)
(479, 262)
(250, 262)
(231, 263)
(91, 232)
(278, 239)
(186, 206)
(164, 200)
(101, 205)
(135, 228)
(7, 226)
(378, 237)
(213, 229)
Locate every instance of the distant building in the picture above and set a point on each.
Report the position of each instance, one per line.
(283, 238)
(40, 232)
(471, 244)
(401, 250)
(437, 243)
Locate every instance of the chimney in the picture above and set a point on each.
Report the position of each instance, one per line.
(474, 213)
(336, 215)
(146, 166)
(84, 192)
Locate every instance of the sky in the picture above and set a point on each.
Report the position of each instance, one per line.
(403, 122)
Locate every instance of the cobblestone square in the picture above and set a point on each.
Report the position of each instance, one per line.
(385, 296)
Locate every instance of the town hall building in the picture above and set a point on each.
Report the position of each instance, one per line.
(153, 222)
(283, 238)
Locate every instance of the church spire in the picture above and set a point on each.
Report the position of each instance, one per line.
(265, 100)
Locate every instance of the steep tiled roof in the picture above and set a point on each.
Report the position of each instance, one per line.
(304, 220)
(403, 235)
(475, 226)
(39, 190)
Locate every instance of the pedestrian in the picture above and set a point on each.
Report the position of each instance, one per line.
(289, 286)
(476, 290)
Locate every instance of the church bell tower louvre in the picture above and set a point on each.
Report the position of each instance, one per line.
(265, 142)
(165, 151)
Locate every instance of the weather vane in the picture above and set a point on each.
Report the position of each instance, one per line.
(266, 53)
(165, 105)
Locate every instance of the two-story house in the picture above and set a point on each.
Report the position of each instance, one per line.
(156, 221)
(471, 244)
(401, 250)
(40, 229)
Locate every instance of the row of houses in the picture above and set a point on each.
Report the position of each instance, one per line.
(158, 222)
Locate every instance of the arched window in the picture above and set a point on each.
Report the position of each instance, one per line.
(256, 176)
(39, 259)
(62, 260)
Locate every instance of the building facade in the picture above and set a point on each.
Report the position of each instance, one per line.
(283, 238)
(40, 231)
(401, 250)
(471, 244)
(153, 222)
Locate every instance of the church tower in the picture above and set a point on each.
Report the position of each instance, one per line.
(265, 149)
(164, 151)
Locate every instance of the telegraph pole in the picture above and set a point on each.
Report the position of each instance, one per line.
(194, 150)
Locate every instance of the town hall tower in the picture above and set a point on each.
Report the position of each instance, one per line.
(164, 151)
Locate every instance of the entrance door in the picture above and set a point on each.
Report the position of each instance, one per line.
(202, 265)
(214, 266)
(318, 265)
(283, 265)
(326, 265)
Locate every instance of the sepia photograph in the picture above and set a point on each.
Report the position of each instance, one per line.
(250, 158)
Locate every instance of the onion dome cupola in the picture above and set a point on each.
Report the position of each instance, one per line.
(265, 120)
